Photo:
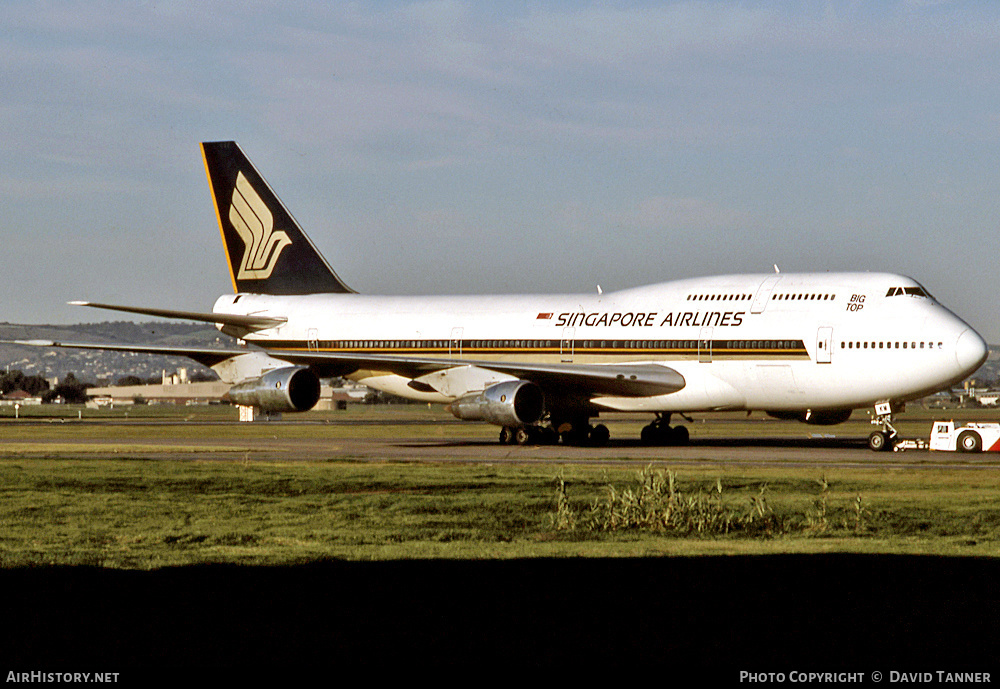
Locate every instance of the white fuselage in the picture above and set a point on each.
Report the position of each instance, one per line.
(768, 342)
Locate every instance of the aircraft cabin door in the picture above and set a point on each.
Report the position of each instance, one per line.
(566, 345)
(312, 339)
(705, 346)
(455, 343)
(764, 294)
(824, 345)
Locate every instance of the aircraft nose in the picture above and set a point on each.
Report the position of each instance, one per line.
(970, 351)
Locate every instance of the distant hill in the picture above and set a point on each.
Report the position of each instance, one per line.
(96, 366)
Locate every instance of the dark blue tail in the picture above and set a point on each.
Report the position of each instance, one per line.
(268, 252)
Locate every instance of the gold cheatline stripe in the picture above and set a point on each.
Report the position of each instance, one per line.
(549, 350)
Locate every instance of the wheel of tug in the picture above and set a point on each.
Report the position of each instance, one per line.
(878, 441)
(969, 441)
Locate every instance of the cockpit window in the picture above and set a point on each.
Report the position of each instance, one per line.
(912, 291)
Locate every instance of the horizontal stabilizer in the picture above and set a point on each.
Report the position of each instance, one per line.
(252, 322)
(203, 355)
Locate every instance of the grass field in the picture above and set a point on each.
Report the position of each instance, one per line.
(83, 496)
(141, 514)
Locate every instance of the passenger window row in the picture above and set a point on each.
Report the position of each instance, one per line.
(719, 297)
(555, 345)
(892, 345)
(774, 297)
(803, 297)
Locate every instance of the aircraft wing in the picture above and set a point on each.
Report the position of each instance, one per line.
(619, 380)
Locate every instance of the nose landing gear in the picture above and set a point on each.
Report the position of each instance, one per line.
(884, 439)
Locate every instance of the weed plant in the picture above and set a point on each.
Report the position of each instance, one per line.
(655, 502)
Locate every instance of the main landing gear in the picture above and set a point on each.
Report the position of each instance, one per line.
(567, 433)
(528, 435)
(660, 432)
(580, 432)
(883, 440)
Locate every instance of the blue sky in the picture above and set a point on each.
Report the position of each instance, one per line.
(461, 147)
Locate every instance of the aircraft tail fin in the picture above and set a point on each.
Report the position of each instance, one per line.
(267, 250)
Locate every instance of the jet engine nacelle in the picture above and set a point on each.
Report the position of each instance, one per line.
(514, 403)
(292, 388)
(824, 417)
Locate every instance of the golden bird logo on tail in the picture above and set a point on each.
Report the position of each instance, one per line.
(255, 224)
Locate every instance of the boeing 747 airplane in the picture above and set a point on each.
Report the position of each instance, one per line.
(809, 346)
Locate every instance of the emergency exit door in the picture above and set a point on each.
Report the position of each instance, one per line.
(824, 345)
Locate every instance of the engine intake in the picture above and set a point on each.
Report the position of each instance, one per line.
(293, 388)
(514, 403)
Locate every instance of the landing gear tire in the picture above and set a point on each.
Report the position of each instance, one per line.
(548, 436)
(884, 440)
(659, 433)
(528, 435)
(879, 442)
(573, 438)
(680, 435)
(969, 441)
(648, 435)
(599, 435)
(573, 431)
(655, 434)
(506, 435)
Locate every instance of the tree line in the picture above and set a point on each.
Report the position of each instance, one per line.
(70, 389)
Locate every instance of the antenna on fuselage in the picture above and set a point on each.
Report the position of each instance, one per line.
(776, 268)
